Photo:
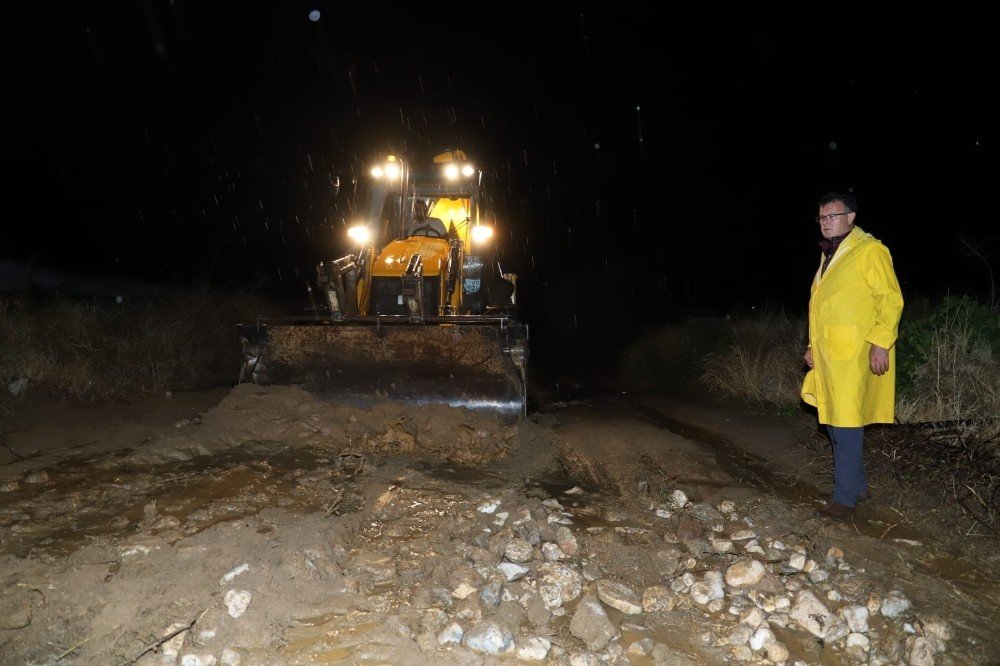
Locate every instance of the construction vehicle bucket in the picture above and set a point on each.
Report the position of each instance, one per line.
(474, 362)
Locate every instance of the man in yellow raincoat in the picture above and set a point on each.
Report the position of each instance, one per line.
(854, 312)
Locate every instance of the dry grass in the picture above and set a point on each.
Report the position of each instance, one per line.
(956, 387)
(763, 364)
(95, 350)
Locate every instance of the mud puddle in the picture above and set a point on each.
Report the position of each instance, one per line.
(72, 503)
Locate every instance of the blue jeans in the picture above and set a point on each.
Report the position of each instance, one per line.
(849, 479)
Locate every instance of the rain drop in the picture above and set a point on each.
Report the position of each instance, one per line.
(314, 15)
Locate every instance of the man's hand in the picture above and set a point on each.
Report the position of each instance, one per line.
(809, 357)
(878, 359)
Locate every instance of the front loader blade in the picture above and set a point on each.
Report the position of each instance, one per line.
(477, 366)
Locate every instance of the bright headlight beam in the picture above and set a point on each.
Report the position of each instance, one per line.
(451, 171)
(392, 170)
(377, 172)
(360, 233)
(481, 233)
(468, 170)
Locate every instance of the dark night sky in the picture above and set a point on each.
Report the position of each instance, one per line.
(643, 164)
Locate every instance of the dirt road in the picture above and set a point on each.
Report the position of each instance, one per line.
(261, 526)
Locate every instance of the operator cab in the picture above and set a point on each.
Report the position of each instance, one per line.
(423, 224)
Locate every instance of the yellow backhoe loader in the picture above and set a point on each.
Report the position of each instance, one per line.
(421, 312)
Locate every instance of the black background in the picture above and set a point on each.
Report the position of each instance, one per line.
(643, 164)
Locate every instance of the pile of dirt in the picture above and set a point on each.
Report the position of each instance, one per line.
(291, 416)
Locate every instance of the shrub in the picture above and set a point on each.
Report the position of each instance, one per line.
(763, 363)
(950, 371)
(95, 350)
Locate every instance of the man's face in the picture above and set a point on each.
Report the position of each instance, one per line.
(834, 220)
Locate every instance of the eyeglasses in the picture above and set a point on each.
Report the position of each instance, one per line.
(829, 217)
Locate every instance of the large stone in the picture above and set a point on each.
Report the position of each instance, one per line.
(567, 541)
(591, 624)
(591, 570)
(534, 648)
(513, 571)
(797, 561)
(619, 596)
(919, 651)
(708, 589)
(762, 638)
(742, 653)
(668, 561)
(818, 575)
(529, 531)
(463, 591)
(704, 513)
(770, 584)
(519, 550)
(777, 653)
(658, 598)
(895, 604)
(491, 592)
(858, 640)
(752, 617)
(740, 635)
(856, 618)
(811, 614)
(745, 573)
(489, 638)
(450, 635)
(237, 602)
(558, 584)
(721, 546)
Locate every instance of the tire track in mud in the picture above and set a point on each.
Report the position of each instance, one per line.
(744, 467)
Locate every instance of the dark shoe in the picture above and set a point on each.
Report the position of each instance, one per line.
(835, 511)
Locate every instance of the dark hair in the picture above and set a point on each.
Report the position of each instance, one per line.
(850, 203)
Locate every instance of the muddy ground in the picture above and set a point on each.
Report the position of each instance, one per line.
(263, 526)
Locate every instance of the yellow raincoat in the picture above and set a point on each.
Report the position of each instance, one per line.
(855, 304)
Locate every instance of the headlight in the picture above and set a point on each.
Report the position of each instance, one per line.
(481, 233)
(468, 170)
(451, 171)
(389, 169)
(360, 233)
